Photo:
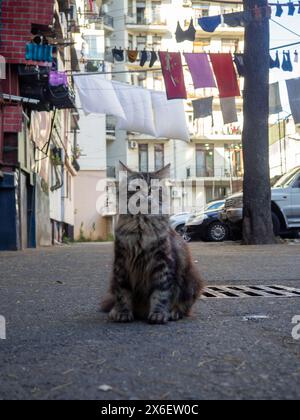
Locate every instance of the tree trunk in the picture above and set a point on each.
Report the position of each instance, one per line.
(257, 224)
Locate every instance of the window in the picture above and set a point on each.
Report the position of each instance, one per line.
(141, 42)
(204, 161)
(93, 43)
(156, 12)
(141, 13)
(201, 10)
(159, 156)
(156, 42)
(143, 158)
(130, 8)
(130, 42)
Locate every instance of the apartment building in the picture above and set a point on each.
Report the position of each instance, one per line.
(214, 155)
(38, 124)
(95, 131)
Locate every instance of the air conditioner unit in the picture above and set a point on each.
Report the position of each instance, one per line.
(133, 145)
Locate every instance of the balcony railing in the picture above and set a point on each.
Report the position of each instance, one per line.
(151, 18)
(100, 19)
(219, 172)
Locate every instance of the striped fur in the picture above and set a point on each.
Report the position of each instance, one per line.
(154, 277)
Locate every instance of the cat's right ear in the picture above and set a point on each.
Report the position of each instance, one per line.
(124, 168)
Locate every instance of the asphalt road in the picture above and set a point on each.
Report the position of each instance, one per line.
(59, 347)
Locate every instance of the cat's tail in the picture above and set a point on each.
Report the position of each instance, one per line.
(107, 303)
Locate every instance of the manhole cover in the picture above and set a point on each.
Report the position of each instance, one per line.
(231, 292)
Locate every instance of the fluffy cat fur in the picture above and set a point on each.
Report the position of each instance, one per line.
(154, 277)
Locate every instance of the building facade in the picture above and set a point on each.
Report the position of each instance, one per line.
(38, 124)
(214, 155)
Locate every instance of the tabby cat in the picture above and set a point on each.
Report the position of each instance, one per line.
(154, 277)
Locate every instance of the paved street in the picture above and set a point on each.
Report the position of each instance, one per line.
(59, 347)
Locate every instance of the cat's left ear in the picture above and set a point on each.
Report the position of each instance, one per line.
(164, 173)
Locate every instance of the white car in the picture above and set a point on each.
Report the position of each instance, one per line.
(285, 205)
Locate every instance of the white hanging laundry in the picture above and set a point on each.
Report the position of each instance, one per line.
(98, 96)
(169, 116)
(137, 105)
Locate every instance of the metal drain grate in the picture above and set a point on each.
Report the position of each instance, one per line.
(231, 292)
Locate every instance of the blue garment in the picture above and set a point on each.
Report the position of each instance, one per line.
(279, 10)
(210, 24)
(292, 9)
(287, 62)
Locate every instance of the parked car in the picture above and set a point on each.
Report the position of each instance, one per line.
(206, 225)
(285, 206)
(178, 221)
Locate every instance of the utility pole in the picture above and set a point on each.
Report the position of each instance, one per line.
(257, 224)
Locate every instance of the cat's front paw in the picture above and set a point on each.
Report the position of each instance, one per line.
(176, 315)
(159, 317)
(118, 316)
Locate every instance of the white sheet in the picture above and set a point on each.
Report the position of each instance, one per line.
(98, 96)
(137, 106)
(169, 117)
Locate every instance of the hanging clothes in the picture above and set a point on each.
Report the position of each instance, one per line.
(118, 55)
(200, 69)
(240, 64)
(293, 87)
(137, 105)
(169, 117)
(226, 75)
(287, 62)
(189, 35)
(238, 19)
(144, 58)
(171, 64)
(228, 108)
(275, 64)
(291, 8)
(210, 23)
(279, 10)
(275, 100)
(132, 55)
(203, 108)
(97, 96)
(153, 59)
(296, 57)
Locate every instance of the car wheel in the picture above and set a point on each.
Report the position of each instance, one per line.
(187, 237)
(180, 230)
(217, 232)
(276, 224)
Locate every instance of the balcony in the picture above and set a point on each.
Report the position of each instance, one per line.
(101, 21)
(152, 21)
(221, 173)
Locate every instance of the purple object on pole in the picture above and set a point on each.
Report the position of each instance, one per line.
(201, 70)
(58, 79)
